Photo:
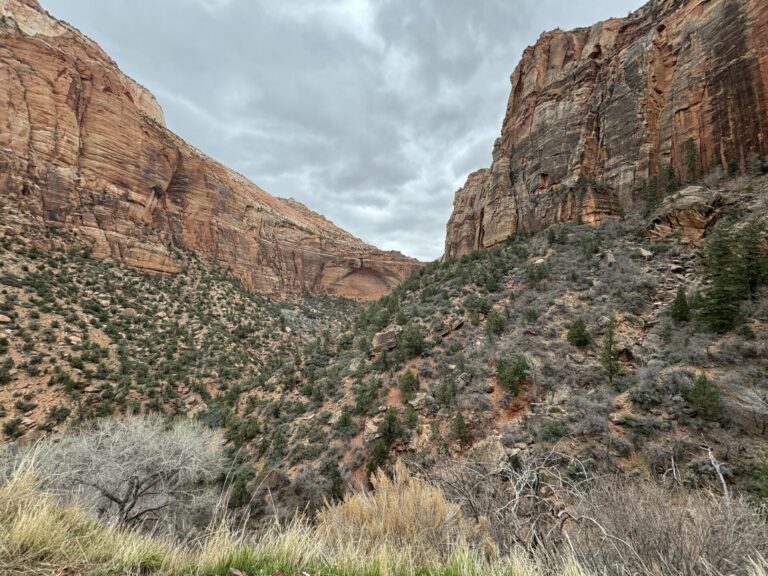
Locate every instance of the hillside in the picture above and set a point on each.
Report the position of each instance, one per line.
(473, 355)
(83, 338)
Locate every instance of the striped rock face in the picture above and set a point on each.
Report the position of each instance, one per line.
(598, 116)
(85, 149)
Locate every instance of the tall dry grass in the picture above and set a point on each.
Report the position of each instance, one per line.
(406, 526)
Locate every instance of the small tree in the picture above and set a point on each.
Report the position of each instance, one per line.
(460, 430)
(409, 383)
(411, 341)
(578, 334)
(390, 429)
(680, 311)
(704, 399)
(754, 257)
(512, 373)
(608, 355)
(494, 324)
(345, 425)
(724, 271)
(131, 470)
(671, 181)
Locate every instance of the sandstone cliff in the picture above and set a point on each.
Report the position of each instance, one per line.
(599, 117)
(85, 148)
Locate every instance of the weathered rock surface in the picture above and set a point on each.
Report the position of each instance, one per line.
(599, 116)
(386, 339)
(85, 148)
(691, 212)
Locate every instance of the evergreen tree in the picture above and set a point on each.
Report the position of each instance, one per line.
(704, 399)
(755, 258)
(672, 183)
(608, 355)
(512, 373)
(725, 274)
(681, 312)
(345, 424)
(460, 430)
(577, 333)
(494, 323)
(390, 428)
(409, 383)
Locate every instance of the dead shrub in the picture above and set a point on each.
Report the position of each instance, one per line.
(626, 527)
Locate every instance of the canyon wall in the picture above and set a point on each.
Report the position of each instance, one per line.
(84, 148)
(600, 118)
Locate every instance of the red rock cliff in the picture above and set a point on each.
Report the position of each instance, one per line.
(598, 116)
(85, 148)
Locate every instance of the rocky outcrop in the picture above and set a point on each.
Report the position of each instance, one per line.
(84, 148)
(691, 212)
(598, 118)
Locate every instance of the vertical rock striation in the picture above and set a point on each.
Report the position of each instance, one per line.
(85, 148)
(598, 117)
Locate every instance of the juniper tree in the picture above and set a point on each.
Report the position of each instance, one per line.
(390, 428)
(577, 333)
(460, 430)
(494, 324)
(680, 311)
(608, 355)
(754, 257)
(725, 274)
(704, 399)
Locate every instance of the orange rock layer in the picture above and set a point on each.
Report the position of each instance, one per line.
(599, 116)
(85, 148)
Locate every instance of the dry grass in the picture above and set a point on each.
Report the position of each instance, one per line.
(401, 512)
(368, 534)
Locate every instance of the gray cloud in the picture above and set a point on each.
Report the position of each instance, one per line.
(371, 112)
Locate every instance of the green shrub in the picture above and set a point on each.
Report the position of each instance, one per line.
(552, 430)
(25, 406)
(390, 429)
(494, 324)
(578, 334)
(460, 430)
(475, 304)
(411, 341)
(608, 355)
(12, 428)
(680, 311)
(409, 383)
(345, 425)
(5, 371)
(512, 373)
(704, 399)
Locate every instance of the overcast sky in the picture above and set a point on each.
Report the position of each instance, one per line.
(371, 112)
